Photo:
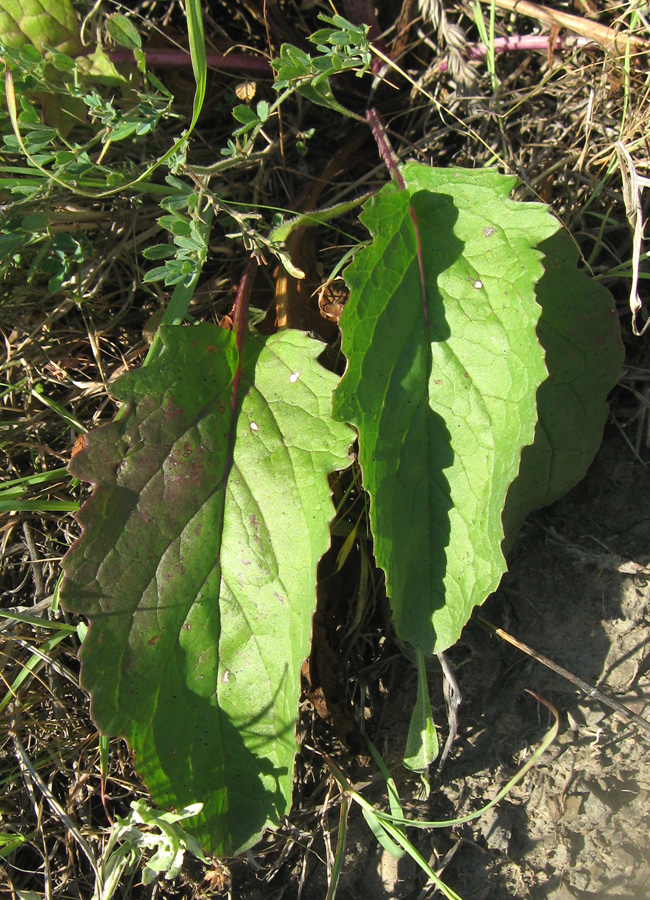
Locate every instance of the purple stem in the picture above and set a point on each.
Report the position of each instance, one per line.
(383, 144)
(392, 164)
(256, 67)
(240, 315)
(527, 42)
(173, 58)
(240, 324)
(522, 42)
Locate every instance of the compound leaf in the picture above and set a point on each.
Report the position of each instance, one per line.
(197, 568)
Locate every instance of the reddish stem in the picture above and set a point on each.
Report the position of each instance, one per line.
(383, 144)
(240, 314)
(529, 42)
(240, 326)
(257, 67)
(173, 58)
(392, 164)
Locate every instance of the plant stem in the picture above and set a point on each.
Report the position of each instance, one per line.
(392, 164)
(173, 58)
(383, 145)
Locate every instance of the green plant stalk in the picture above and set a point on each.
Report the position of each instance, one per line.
(393, 825)
(487, 40)
(147, 187)
(377, 828)
(401, 839)
(634, 18)
(224, 164)
(393, 833)
(422, 747)
(317, 217)
(393, 796)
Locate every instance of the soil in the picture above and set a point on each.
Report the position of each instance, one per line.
(577, 826)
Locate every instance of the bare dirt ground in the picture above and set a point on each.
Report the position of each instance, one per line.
(578, 825)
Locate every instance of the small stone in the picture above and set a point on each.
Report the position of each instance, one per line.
(580, 879)
(572, 807)
(496, 835)
(596, 811)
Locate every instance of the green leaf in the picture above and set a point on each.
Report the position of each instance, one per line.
(123, 31)
(443, 367)
(156, 274)
(422, 740)
(580, 332)
(197, 569)
(10, 842)
(262, 109)
(43, 23)
(245, 115)
(175, 223)
(159, 251)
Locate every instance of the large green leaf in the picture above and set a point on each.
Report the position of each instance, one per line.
(43, 23)
(197, 572)
(443, 368)
(579, 330)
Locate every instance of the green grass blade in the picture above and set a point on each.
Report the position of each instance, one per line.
(34, 480)
(393, 796)
(38, 656)
(381, 834)
(62, 413)
(38, 506)
(37, 621)
(340, 848)
(196, 40)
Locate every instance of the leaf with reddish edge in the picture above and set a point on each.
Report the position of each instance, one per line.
(198, 574)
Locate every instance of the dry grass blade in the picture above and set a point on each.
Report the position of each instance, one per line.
(633, 185)
(30, 772)
(608, 38)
